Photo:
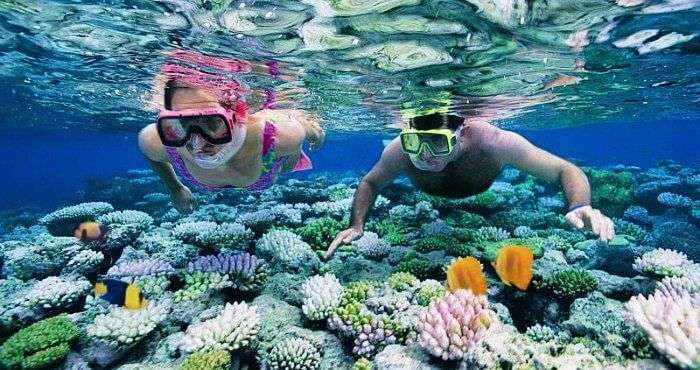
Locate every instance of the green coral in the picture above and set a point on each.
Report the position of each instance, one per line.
(468, 220)
(401, 281)
(392, 230)
(216, 359)
(461, 249)
(571, 283)
(352, 315)
(435, 243)
(357, 291)
(198, 283)
(320, 232)
(611, 191)
(362, 364)
(419, 267)
(41, 345)
(623, 227)
(430, 292)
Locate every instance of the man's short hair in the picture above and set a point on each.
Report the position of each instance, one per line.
(436, 120)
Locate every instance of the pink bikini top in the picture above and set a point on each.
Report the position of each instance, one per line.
(271, 165)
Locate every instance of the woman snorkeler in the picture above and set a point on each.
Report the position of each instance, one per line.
(204, 133)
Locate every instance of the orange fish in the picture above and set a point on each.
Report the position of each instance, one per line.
(513, 265)
(90, 231)
(466, 273)
(561, 80)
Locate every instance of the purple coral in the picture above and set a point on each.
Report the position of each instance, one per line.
(453, 324)
(246, 268)
(142, 267)
(373, 337)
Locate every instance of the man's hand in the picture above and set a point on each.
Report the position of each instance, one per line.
(344, 237)
(593, 219)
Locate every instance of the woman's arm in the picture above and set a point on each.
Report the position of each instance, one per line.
(154, 152)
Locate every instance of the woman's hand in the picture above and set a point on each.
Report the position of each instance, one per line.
(344, 237)
(315, 134)
(183, 200)
(594, 220)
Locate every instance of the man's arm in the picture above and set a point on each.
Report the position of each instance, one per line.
(389, 166)
(512, 149)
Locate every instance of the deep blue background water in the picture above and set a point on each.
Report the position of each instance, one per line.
(45, 168)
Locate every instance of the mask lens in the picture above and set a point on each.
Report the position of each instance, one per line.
(438, 143)
(172, 130)
(410, 142)
(213, 127)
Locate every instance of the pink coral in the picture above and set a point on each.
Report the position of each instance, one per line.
(454, 323)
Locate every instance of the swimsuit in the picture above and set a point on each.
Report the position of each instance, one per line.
(271, 164)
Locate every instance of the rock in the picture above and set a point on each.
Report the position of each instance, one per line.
(75, 362)
(398, 357)
(357, 268)
(276, 316)
(622, 288)
(615, 257)
(99, 353)
(551, 262)
(286, 287)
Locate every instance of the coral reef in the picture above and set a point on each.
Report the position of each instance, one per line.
(322, 295)
(233, 328)
(41, 345)
(64, 221)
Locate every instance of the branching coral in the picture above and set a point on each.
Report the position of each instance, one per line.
(371, 246)
(244, 270)
(429, 291)
(293, 354)
(286, 250)
(673, 200)
(188, 231)
(392, 230)
(217, 359)
(454, 323)
(64, 221)
(664, 262)
(491, 233)
(435, 243)
(571, 283)
(224, 236)
(320, 232)
(322, 295)
(56, 293)
(85, 262)
(672, 324)
(128, 217)
(140, 268)
(233, 328)
(122, 327)
(39, 346)
(402, 280)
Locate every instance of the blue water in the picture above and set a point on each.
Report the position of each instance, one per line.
(45, 168)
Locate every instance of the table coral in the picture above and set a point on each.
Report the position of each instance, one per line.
(64, 221)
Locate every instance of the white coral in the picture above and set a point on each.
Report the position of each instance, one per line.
(123, 326)
(233, 328)
(664, 262)
(672, 324)
(85, 262)
(322, 294)
(372, 246)
(55, 293)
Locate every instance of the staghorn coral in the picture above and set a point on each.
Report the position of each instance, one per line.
(127, 217)
(663, 262)
(454, 324)
(672, 324)
(122, 327)
(322, 294)
(217, 359)
(233, 328)
(39, 346)
(56, 293)
(64, 221)
(294, 353)
(371, 246)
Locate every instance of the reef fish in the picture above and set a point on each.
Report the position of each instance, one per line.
(513, 265)
(120, 293)
(466, 273)
(90, 232)
(561, 80)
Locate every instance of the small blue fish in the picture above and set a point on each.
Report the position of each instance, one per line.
(120, 293)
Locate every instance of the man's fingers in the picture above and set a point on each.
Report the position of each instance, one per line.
(574, 220)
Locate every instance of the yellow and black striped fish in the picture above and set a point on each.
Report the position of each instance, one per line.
(120, 293)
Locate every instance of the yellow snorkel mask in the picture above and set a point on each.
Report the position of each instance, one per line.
(440, 142)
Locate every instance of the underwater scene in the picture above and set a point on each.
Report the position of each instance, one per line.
(350, 184)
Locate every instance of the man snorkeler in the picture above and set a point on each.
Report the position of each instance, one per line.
(448, 156)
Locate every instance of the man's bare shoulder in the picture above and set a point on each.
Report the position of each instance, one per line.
(393, 154)
(487, 136)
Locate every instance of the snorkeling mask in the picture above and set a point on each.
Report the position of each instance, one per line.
(440, 142)
(215, 125)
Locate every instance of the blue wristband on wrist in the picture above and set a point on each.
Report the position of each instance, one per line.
(576, 206)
